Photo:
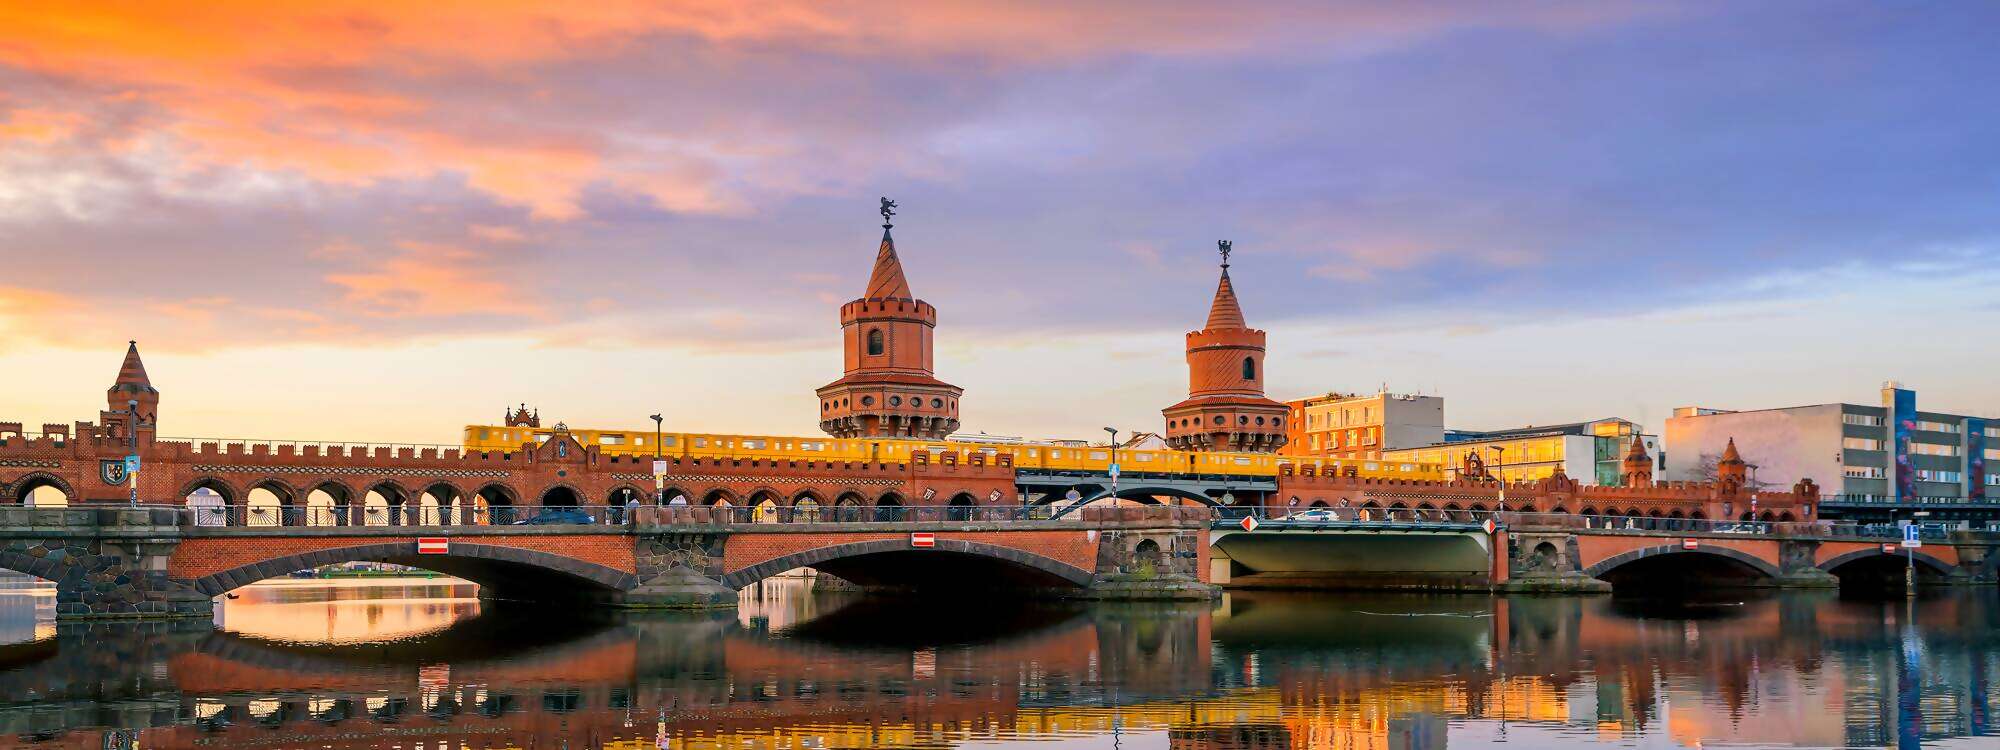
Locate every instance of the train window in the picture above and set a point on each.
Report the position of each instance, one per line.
(1240, 461)
(754, 444)
(1055, 454)
(1145, 456)
(482, 434)
(668, 440)
(701, 442)
(1032, 453)
(1098, 455)
(610, 439)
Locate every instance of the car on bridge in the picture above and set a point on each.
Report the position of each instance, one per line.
(1316, 515)
(554, 516)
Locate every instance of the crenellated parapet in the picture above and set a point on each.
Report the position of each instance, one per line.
(1303, 487)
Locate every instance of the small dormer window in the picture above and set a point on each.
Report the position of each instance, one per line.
(875, 342)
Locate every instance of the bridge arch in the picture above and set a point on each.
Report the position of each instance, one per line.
(1142, 493)
(501, 571)
(887, 562)
(23, 489)
(1669, 563)
(213, 484)
(1933, 564)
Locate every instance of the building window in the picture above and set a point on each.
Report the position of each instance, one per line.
(1933, 449)
(875, 341)
(1950, 427)
(895, 400)
(1861, 444)
(1249, 368)
(1993, 480)
(1930, 475)
(867, 400)
(937, 403)
(1864, 420)
(1862, 472)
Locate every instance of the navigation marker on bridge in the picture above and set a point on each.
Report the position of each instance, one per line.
(433, 545)
(923, 539)
(1249, 523)
(1489, 526)
(1690, 544)
(1888, 549)
(1910, 540)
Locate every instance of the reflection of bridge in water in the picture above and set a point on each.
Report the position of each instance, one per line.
(1262, 671)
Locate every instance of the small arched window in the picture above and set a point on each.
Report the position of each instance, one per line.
(1249, 369)
(875, 342)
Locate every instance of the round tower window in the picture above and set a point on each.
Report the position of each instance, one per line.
(895, 400)
(937, 403)
(1243, 420)
(1218, 419)
(867, 400)
(1260, 421)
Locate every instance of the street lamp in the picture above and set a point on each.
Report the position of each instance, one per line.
(1910, 555)
(659, 481)
(1500, 465)
(1114, 463)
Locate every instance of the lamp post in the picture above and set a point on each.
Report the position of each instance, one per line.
(1500, 465)
(1114, 463)
(1910, 556)
(659, 480)
(132, 439)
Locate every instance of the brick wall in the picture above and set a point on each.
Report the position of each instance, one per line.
(196, 558)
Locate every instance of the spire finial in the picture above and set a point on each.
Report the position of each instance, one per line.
(888, 210)
(1224, 247)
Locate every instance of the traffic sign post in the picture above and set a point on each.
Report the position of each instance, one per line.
(1910, 539)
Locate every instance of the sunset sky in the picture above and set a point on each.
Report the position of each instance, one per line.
(338, 220)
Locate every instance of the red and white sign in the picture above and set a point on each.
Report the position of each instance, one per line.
(1889, 549)
(1248, 523)
(923, 539)
(433, 545)
(1489, 526)
(1690, 544)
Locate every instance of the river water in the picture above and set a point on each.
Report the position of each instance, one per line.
(425, 665)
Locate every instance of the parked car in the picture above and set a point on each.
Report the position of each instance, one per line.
(1316, 515)
(558, 516)
(1738, 528)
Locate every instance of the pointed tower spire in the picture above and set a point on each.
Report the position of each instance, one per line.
(1731, 469)
(887, 281)
(133, 371)
(1225, 312)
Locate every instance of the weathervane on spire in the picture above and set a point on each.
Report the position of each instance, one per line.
(888, 210)
(1223, 245)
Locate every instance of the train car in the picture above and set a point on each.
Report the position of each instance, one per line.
(1031, 456)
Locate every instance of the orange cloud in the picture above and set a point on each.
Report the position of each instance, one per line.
(430, 280)
(355, 91)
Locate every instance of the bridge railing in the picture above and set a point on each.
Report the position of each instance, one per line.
(1351, 515)
(1711, 526)
(270, 515)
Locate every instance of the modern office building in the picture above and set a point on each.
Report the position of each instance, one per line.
(1588, 452)
(1876, 462)
(1361, 427)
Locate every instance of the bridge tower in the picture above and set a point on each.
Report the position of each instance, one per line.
(1638, 466)
(131, 385)
(890, 388)
(1731, 471)
(1226, 409)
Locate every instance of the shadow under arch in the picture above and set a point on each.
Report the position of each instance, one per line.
(501, 572)
(889, 562)
(1935, 565)
(1670, 565)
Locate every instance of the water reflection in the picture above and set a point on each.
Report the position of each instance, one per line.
(794, 670)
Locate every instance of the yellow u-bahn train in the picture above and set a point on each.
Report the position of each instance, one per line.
(1027, 456)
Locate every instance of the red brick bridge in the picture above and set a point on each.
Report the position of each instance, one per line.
(152, 561)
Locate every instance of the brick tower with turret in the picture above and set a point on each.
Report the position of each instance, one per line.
(131, 385)
(1226, 409)
(889, 388)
